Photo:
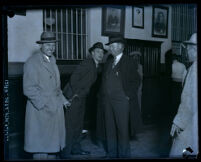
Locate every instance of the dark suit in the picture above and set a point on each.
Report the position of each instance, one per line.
(80, 82)
(119, 92)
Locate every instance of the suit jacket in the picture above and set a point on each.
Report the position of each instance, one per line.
(44, 119)
(81, 79)
(127, 71)
(130, 78)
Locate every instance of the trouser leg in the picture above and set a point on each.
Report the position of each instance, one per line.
(79, 126)
(110, 131)
(71, 126)
(121, 111)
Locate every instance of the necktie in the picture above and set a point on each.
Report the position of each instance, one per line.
(114, 63)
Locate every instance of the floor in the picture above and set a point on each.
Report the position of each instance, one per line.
(150, 144)
(153, 142)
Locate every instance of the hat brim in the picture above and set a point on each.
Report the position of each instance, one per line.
(188, 42)
(91, 49)
(47, 41)
(124, 42)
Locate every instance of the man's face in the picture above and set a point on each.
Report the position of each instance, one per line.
(192, 52)
(97, 54)
(48, 48)
(116, 48)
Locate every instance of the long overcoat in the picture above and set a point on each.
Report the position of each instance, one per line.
(44, 118)
(187, 116)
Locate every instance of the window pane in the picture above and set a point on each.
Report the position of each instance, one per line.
(70, 27)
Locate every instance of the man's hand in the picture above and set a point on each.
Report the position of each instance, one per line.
(175, 130)
(67, 104)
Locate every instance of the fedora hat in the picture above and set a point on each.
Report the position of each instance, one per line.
(97, 45)
(47, 37)
(192, 40)
(116, 40)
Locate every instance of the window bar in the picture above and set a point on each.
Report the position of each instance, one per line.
(56, 34)
(50, 20)
(188, 20)
(189, 16)
(176, 24)
(67, 32)
(62, 35)
(182, 25)
(45, 19)
(188, 24)
(81, 36)
(195, 22)
(76, 36)
(192, 20)
(72, 33)
(86, 22)
(173, 18)
(184, 20)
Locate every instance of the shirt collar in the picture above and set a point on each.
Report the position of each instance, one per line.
(47, 58)
(96, 62)
(118, 57)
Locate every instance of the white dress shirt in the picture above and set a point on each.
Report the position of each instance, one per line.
(117, 59)
(178, 71)
(48, 59)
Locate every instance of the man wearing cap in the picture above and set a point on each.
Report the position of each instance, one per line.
(185, 124)
(120, 85)
(44, 118)
(76, 90)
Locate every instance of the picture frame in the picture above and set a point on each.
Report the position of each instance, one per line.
(113, 21)
(138, 17)
(160, 21)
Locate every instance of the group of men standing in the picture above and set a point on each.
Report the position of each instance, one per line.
(54, 118)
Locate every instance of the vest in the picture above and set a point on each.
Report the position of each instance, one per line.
(113, 84)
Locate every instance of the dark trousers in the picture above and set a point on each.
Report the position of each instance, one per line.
(74, 125)
(116, 123)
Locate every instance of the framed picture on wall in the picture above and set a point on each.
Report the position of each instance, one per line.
(113, 19)
(160, 22)
(138, 17)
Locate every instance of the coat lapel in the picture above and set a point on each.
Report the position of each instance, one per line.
(56, 71)
(49, 66)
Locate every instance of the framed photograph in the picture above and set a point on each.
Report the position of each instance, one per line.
(138, 17)
(160, 22)
(113, 20)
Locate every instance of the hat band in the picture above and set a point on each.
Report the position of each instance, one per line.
(50, 38)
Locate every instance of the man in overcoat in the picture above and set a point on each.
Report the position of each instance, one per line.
(120, 85)
(44, 118)
(77, 90)
(185, 124)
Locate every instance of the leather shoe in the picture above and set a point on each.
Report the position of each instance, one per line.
(81, 152)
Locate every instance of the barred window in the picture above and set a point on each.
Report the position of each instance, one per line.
(70, 26)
